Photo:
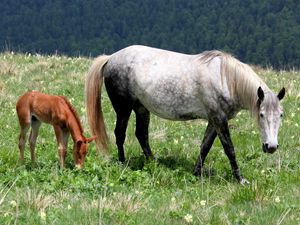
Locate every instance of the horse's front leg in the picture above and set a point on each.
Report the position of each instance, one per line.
(62, 148)
(221, 126)
(207, 142)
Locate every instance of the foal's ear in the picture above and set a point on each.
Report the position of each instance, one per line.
(90, 139)
(78, 144)
(260, 94)
(281, 93)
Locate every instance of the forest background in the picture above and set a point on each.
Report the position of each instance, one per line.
(261, 32)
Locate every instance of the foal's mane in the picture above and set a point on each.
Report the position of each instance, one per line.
(74, 112)
(240, 78)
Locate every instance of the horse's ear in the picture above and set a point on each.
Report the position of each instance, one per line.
(260, 94)
(90, 139)
(281, 93)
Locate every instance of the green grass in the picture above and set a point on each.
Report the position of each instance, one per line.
(163, 191)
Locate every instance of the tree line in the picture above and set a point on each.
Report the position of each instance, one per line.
(263, 32)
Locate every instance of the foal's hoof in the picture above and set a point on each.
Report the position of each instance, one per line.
(244, 182)
(78, 166)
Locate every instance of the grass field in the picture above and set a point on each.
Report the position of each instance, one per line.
(163, 191)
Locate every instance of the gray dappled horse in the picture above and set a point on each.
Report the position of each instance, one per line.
(212, 85)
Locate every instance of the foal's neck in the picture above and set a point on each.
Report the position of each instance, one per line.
(75, 129)
(73, 121)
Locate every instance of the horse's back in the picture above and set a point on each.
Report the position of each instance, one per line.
(167, 83)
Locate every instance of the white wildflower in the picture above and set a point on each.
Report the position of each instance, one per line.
(203, 202)
(277, 199)
(188, 218)
(13, 203)
(43, 215)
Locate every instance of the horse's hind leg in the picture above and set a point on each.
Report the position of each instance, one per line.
(208, 140)
(142, 126)
(35, 126)
(120, 130)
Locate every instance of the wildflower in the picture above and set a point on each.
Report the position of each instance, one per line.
(203, 202)
(95, 203)
(13, 203)
(277, 199)
(242, 213)
(43, 215)
(173, 199)
(69, 207)
(188, 218)
(175, 141)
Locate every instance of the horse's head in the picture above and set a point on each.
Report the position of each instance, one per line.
(81, 151)
(269, 118)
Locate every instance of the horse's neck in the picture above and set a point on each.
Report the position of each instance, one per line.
(247, 91)
(246, 84)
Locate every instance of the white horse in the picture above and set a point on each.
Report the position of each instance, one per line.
(212, 85)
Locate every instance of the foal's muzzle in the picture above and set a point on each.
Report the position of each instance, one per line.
(269, 149)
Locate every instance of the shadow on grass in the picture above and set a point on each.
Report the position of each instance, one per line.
(170, 162)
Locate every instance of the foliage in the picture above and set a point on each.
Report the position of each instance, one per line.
(162, 191)
(257, 32)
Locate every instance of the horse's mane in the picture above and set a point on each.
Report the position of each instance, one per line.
(240, 78)
(72, 109)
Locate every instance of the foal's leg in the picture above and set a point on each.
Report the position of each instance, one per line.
(24, 121)
(221, 126)
(208, 140)
(22, 140)
(61, 145)
(35, 126)
(141, 130)
(65, 134)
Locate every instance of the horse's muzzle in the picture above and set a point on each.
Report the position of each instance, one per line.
(269, 149)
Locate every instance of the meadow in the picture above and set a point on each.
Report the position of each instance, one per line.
(161, 191)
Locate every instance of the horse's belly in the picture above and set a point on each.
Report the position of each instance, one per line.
(173, 107)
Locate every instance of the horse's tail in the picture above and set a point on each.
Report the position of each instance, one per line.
(93, 85)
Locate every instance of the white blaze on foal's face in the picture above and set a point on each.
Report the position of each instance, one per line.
(269, 118)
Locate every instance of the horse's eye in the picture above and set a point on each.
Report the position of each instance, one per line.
(261, 115)
(281, 115)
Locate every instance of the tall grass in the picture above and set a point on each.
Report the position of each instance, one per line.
(162, 191)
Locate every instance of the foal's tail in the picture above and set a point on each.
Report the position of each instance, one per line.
(93, 85)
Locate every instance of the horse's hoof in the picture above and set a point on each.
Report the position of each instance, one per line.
(244, 182)
(151, 158)
(198, 173)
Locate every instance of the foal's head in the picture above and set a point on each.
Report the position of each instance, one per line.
(269, 118)
(81, 151)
